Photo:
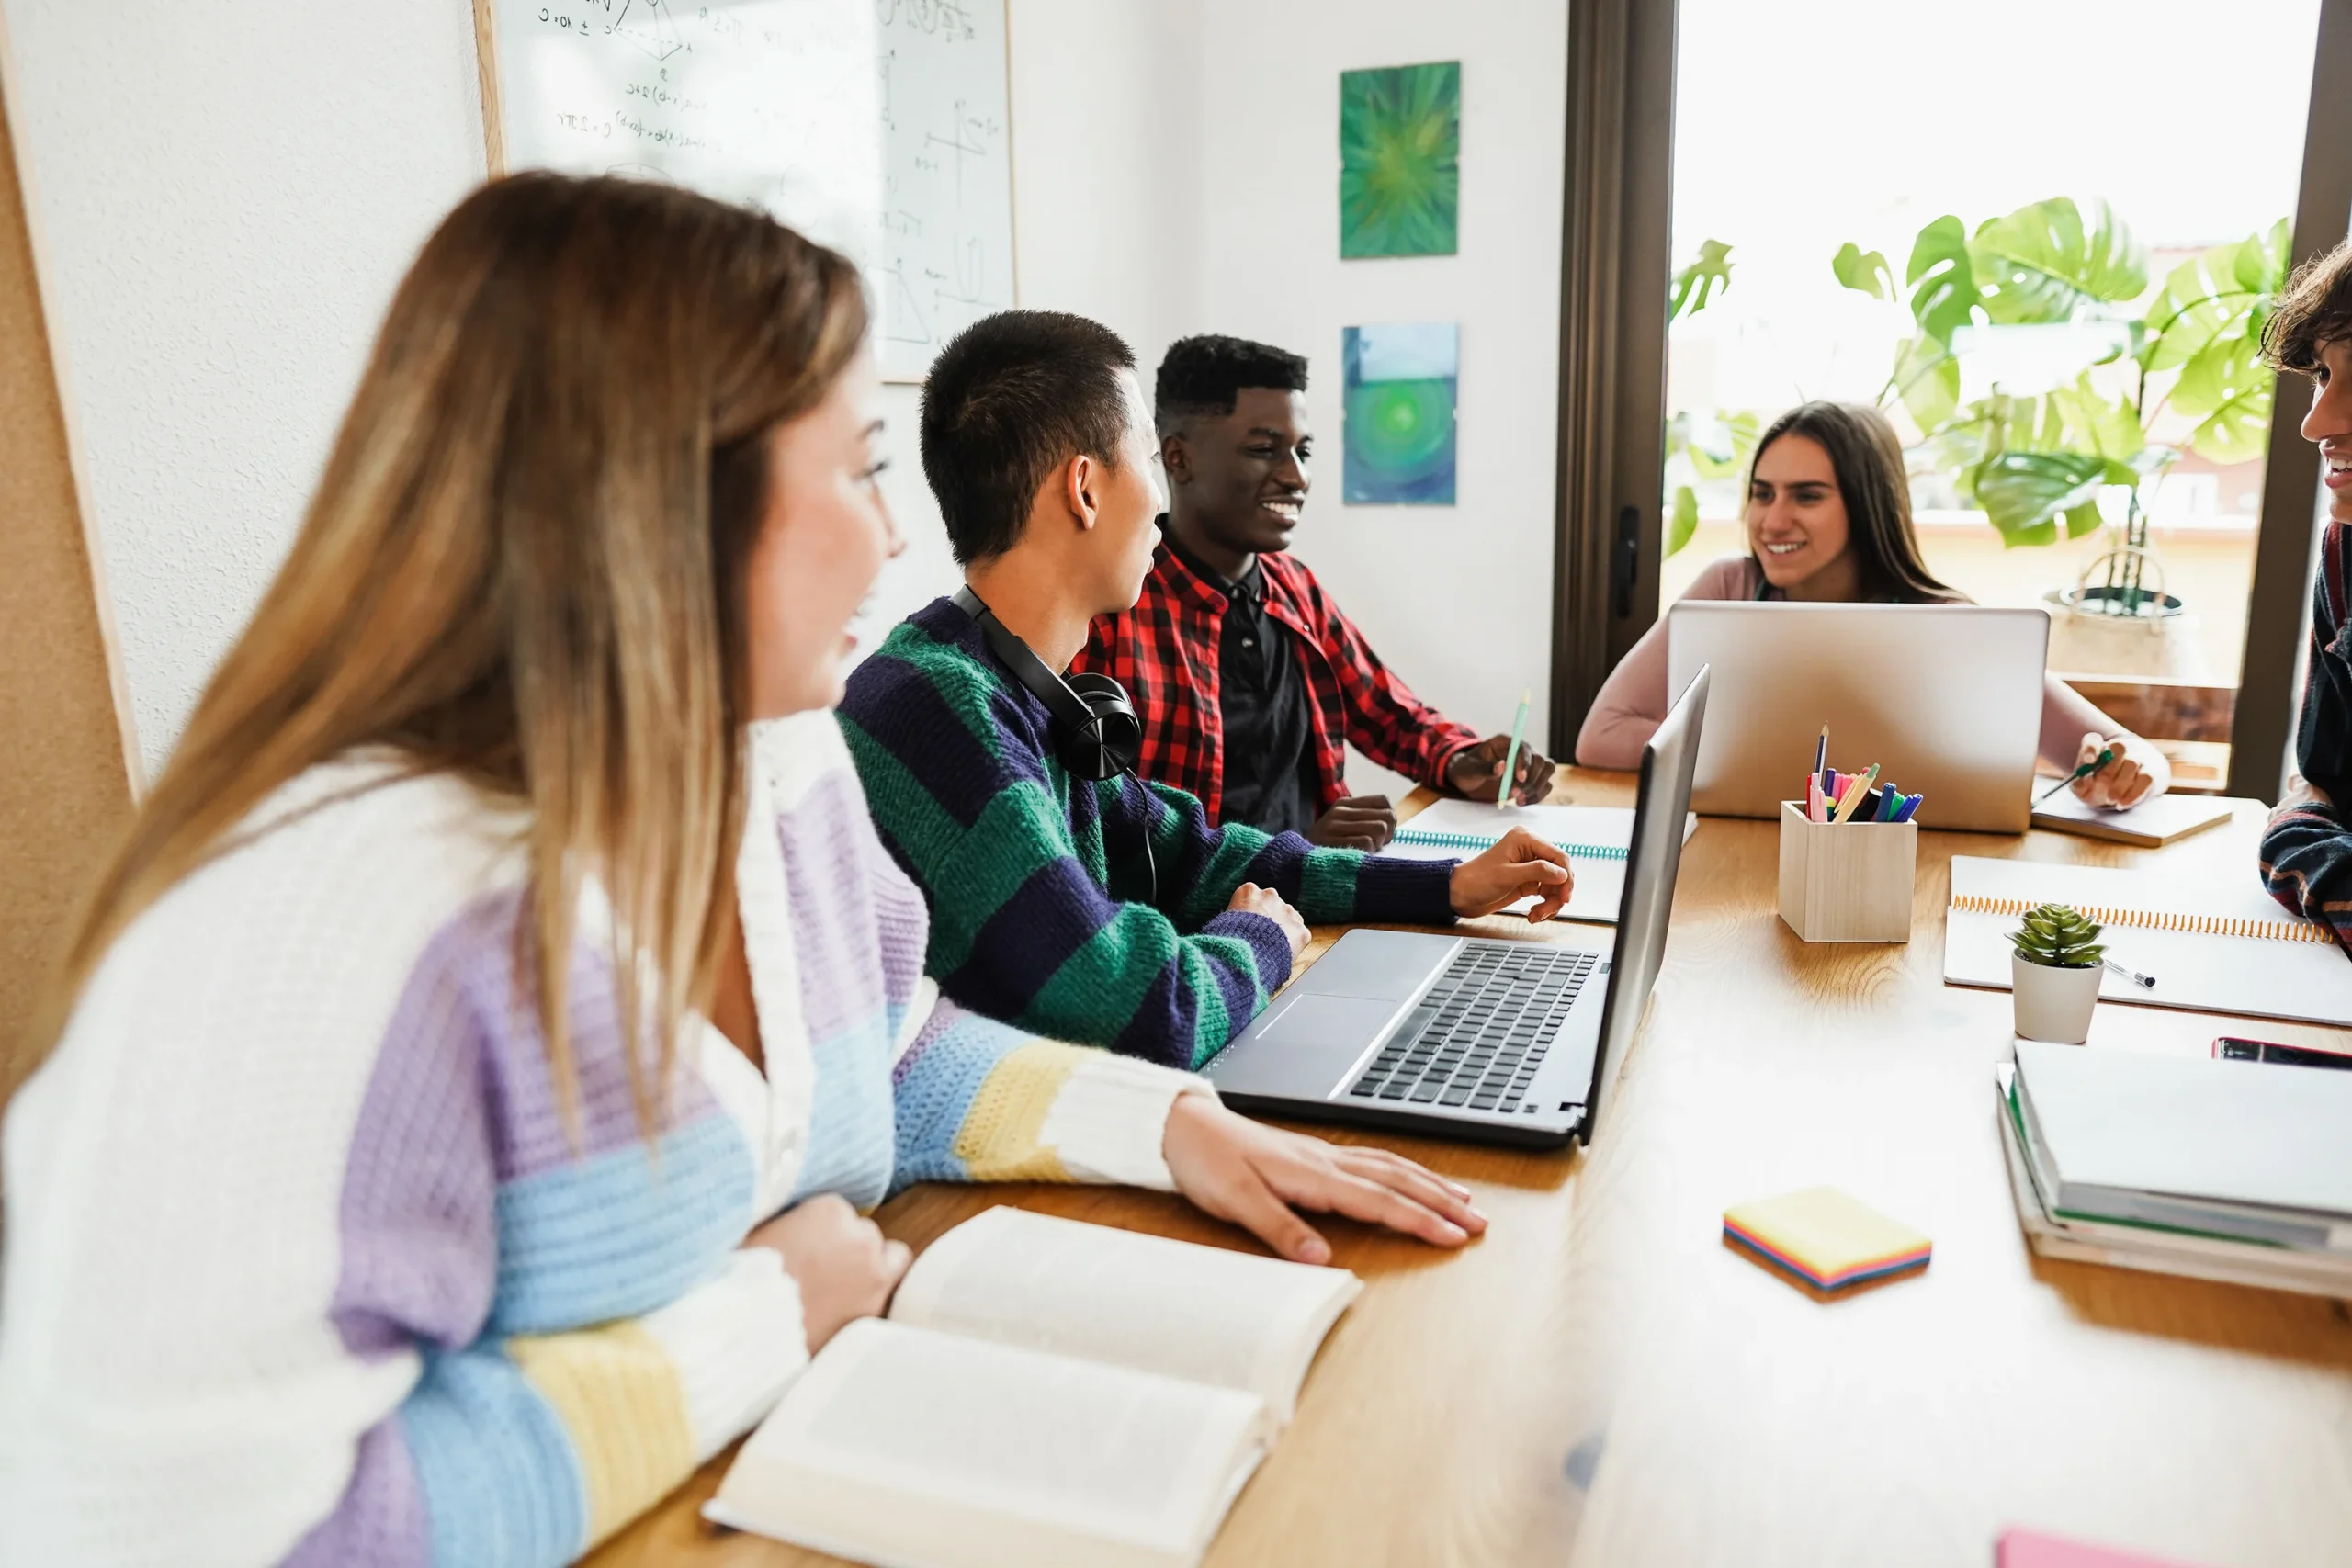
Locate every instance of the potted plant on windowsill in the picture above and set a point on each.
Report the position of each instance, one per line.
(2184, 356)
(2054, 973)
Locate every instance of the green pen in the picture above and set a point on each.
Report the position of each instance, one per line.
(1510, 758)
(2106, 755)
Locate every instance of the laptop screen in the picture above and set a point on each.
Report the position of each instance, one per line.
(1648, 897)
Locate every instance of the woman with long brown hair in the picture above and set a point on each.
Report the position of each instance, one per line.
(1829, 521)
(460, 1095)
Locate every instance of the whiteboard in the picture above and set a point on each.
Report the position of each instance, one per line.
(877, 126)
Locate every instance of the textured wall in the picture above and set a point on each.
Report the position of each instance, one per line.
(1457, 598)
(1107, 172)
(229, 194)
(231, 191)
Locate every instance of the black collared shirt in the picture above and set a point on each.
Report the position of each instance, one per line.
(1269, 780)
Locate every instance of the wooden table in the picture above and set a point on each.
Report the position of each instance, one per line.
(1600, 1380)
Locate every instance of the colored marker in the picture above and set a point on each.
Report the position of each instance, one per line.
(1852, 798)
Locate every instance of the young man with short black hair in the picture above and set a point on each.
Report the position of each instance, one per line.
(1107, 913)
(2307, 849)
(1249, 681)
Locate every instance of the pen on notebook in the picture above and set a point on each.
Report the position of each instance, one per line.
(1510, 758)
(2106, 755)
(2145, 982)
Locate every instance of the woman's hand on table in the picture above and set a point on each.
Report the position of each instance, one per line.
(844, 1267)
(2138, 772)
(1519, 864)
(1259, 1177)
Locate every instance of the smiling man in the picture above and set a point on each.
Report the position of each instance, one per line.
(1249, 682)
(2307, 849)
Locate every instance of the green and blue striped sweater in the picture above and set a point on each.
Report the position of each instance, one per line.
(1041, 903)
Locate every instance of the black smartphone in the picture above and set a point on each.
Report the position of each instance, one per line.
(2230, 1048)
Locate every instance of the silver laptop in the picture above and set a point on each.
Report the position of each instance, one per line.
(1467, 1037)
(1945, 698)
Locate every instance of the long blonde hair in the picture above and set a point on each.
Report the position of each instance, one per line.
(524, 567)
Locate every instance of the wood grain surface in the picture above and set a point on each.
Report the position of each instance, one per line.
(1600, 1380)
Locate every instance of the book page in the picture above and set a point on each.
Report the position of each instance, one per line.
(2293, 972)
(904, 1445)
(1198, 1313)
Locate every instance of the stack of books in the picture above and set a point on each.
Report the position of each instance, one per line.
(2237, 1171)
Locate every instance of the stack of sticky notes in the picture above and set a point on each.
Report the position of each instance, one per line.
(2031, 1549)
(1826, 1238)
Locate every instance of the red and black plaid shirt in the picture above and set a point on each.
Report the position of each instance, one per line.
(1164, 651)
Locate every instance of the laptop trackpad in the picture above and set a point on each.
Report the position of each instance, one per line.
(1317, 1039)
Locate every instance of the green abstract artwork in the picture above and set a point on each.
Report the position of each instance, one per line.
(1400, 161)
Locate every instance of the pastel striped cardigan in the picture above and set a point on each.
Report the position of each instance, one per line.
(302, 1265)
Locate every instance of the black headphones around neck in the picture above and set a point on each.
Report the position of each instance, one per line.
(1096, 733)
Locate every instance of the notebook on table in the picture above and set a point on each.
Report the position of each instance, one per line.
(1596, 839)
(1043, 1392)
(2211, 944)
(2151, 825)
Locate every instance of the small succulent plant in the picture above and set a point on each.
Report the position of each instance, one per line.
(2057, 938)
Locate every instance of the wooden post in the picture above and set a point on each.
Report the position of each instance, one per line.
(70, 764)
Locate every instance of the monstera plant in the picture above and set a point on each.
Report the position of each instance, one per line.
(2036, 464)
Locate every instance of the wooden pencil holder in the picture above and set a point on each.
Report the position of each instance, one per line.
(1847, 881)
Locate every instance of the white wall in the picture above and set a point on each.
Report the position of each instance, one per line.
(227, 194)
(230, 193)
(1106, 183)
(1458, 600)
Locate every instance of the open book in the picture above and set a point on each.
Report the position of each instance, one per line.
(2212, 944)
(1596, 838)
(1045, 1391)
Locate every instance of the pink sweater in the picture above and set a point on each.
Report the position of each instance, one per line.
(1631, 703)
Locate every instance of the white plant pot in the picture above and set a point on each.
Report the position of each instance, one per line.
(2054, 1004)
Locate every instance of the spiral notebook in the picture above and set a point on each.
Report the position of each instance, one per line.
(2211, 944)
(1595, 836)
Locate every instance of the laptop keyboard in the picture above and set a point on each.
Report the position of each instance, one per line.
(1477, 1036)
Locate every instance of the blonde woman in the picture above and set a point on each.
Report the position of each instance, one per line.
(457, 1102)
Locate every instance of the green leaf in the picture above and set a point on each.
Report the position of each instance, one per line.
(1702, 280)
(1864, 270)
(2024, 492)
(2038, 264)
(2228, 391)
(2220, 293)
(1926, 378)
(1682, 520)
(1946, 275)
(1724, 452)
(2089, 422)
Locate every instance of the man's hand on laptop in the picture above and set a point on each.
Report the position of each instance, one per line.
(1363, 822)
(1518, 866)
(1251, 899)
(1258, 1177)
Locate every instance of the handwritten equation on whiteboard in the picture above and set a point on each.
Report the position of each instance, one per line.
(879, 127)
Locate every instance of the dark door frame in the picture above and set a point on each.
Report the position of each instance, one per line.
(2277, 618)
(1615, 262)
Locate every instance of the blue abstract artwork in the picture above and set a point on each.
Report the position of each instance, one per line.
(1397, 413)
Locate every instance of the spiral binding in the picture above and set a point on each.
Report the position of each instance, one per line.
(1474, 841)
(2153, 920)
